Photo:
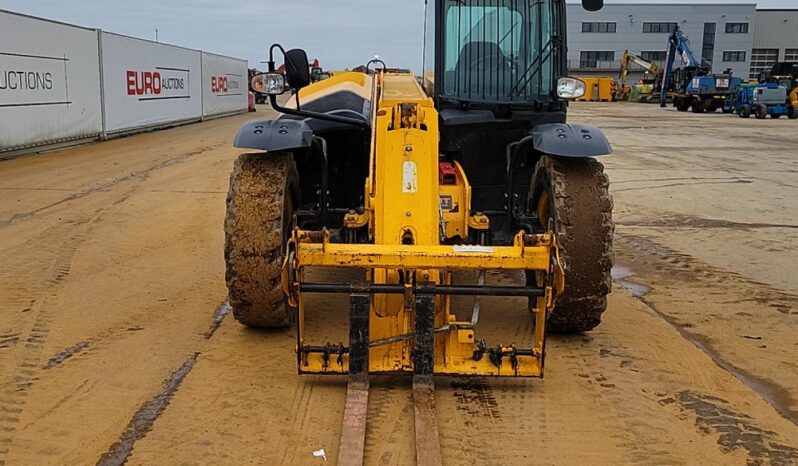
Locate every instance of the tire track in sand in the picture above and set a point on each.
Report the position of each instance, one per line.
(675, 271)
(32, 273)
(31, 285)
(144, 418)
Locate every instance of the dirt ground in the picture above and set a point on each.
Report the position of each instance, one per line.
(115, 344)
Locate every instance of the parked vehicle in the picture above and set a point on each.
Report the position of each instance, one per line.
(785, 74)
(762, 100)
(645, 91)
(368, 170)
(692, 85)
(252, 101)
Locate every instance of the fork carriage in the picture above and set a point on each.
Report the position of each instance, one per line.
(400, 316)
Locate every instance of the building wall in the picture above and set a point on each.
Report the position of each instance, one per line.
(775, 30)
(629, 19)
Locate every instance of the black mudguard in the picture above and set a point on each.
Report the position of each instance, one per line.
(567, 140)
(274, 135)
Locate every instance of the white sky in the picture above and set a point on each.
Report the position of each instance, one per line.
(341, 33)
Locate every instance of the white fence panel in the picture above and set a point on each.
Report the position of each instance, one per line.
(49, 82)
(148, 84)
(224, 85)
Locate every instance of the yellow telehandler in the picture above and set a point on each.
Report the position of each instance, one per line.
(469, 167)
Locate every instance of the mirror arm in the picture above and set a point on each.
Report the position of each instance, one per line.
(271, 56)
(377, 61)
(319, 116)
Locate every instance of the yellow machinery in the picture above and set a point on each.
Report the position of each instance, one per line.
(406, 180)
(597, 89)
(408, 266)
(646, 90)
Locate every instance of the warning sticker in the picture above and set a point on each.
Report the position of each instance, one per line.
(446, 202)
(409, 177)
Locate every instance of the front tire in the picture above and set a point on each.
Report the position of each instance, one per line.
(698, 106)
(258, 222)
(681, 104)
(574, 195)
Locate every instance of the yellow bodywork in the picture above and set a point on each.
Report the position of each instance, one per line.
(415, 225)
(597, 89)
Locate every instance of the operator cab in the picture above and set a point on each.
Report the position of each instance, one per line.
(497, 70)
(495, 54)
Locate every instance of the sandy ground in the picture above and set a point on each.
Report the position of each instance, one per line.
(114, 345)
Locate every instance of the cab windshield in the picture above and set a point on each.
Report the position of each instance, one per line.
(497, 51)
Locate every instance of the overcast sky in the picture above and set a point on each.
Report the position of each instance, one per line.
(341, 33)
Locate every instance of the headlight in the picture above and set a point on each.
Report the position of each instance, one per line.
(570, 88)
(269, 83)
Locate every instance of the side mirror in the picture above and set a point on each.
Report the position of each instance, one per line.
(592, 5)
(297, 71)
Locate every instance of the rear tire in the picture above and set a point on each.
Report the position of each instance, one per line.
(761, 112)
(259, 219)
(745, 111)
(574, 193)
(792, 114)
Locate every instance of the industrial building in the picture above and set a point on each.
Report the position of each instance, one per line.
(739, 37)
(775, 38)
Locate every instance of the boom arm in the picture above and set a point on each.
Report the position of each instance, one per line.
(677, 42)
(629, 57)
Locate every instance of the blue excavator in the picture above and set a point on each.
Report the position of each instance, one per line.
(691, 85)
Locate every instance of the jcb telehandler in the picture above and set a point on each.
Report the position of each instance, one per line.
(473, 169)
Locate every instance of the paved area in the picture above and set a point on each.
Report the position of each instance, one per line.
(115, 345)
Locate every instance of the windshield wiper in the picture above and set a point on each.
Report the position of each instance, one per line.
(507, 34)
(543, 55)
(533, 69)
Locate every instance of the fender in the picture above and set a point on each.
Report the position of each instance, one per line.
(274, 135)
(570, 140)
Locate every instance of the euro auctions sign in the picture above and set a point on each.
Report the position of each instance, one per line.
(162, 83)
(224, 85)
(227, 84)
(49, 82)
(147, 83)
(30, 79)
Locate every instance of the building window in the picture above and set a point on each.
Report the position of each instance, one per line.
(652, 57)
(791, 55)
(761, 60)
(737, 28)
(659, 27)
(592, 59)
(733, 56)
(599, 27)
(708, 49)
